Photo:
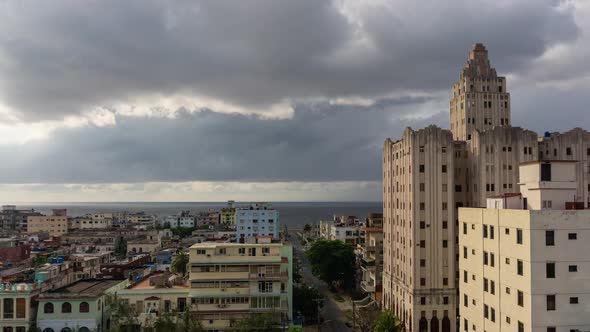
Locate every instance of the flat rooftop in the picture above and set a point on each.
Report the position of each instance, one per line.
(87, 288)
(145, 283)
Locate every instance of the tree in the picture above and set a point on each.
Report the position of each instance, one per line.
(307, 228)
(258, 322)
(303, 302)
(366, 317)
(387, 322)
(123, 317)
(180, 263)
(120, 246)
(295, 328)
(333, 261)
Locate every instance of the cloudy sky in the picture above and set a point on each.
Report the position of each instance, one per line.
(276, 100)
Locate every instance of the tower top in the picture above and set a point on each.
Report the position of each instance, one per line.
(478, 64)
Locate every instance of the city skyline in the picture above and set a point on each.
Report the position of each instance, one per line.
(138, 102)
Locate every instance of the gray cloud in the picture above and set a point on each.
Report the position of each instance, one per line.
(321, 142)
(60, 57)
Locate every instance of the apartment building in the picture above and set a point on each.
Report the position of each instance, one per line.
(431, 172)
(348, 229)
(18, 306)
(523, 260)
(54, 225)
(227, 214)
(14, 219)
(371, 257)
(257, 219)
(231, 281)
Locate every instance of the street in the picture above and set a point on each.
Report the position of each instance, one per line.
(334, 319)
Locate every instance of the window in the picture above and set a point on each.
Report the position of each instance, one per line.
(422, 281)
(422, 206)
(445, 300)
(492, 232)
(493, 314)
(444, 168)
(520, 298)
(549, 238)
(423, 301)
(520, 327)
(465, 300)
(519, 236)
(550, 270)
(445, 281)
(485, 231)
(464, 252)
(519, 267)
(485, 258)
(464, 228)
(48, 308)
(574, 300)
(422, 262)
(572, 236)
(21, 308)
(422, 225)
(445, 206)
(568, 151)
(550, 302)
(84, 307)
(445, 243)
(485, 284)
(421, 168)
(445, 224)
(573, 268)
(422, 186)
(66, 307)
(465, 276)
(486, 311)
(551, 329)
(492, 260)
(422, 244)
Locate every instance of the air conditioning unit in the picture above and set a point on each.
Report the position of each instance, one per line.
(223, 289)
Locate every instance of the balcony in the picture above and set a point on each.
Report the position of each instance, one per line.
(368, 286)
(367, 261)
(269, 276)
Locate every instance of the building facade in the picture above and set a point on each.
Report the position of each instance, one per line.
(429, 173)
(260, 219)
(52, 225)
(371, 257)
(524, 266)
(231, 281)
(17, 306)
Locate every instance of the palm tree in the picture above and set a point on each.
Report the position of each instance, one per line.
(180, 263)
(387, 322)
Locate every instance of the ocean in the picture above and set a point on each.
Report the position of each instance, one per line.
(292, 214)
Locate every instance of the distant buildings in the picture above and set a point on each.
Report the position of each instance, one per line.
(348, 229)
(227, 216)
(54, 225)
(13, 219)
(259, 219)
(431, 172)
(231, 281)
(184, 220)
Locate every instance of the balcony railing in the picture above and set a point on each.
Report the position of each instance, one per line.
(266, 276)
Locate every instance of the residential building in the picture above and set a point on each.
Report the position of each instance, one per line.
(523, 262)
(227, 215)
(431, 172)
(17, 306)
(207, 218)
(184, 219)
(157, 294)
(14, 219)
(347, 229)
(257, 219)
(231, 281)
(54, 225)
(371, 257)
(80, 306)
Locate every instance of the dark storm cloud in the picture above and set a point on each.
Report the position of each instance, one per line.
(320, 143)
(61, 57)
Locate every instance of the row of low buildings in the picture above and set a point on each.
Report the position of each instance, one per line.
(482, 227)
(63, 283)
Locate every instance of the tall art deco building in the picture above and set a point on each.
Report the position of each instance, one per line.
(429, 173)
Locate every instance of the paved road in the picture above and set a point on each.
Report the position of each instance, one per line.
(334, 319)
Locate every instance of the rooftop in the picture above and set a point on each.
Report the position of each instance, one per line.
(84, 288)
(145, 283)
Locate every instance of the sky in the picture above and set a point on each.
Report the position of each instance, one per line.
(275, 100)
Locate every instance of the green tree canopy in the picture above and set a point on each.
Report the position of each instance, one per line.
(332, 261)
(387, 322)
(179, 265)
(307, 228)
(303, 302)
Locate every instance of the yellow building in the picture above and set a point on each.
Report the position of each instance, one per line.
(53, 225)
(231, 281)
(523, 262)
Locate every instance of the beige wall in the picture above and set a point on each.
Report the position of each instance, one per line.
(533, 283)
(413, 198)
(54, 225)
